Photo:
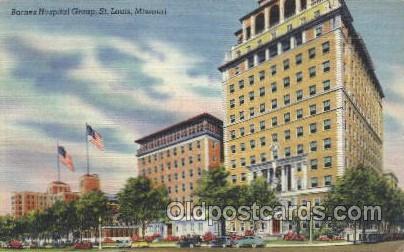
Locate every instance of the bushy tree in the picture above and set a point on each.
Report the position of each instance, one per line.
(142, 203)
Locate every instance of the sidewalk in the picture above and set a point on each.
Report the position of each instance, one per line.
(306, 244)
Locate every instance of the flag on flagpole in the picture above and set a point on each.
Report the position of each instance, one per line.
(65, 158)
(95, 138)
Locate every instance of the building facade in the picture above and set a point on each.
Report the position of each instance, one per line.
(176, 156)
(23, 203)
(303, 102)
(89, 183)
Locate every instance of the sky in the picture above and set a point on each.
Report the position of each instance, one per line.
(128, 76)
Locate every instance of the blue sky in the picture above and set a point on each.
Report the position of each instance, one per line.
(130, 75)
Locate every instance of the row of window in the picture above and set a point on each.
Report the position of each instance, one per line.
(286, 65)
(174, 152)
(183, 188)
(175, 163)
(299, 95)
(314, 163)
(327, 145)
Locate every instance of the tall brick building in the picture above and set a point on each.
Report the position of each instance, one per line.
(177, 155)
(303, 102)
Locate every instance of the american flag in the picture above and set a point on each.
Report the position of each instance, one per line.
(95, 138)
(65, 158)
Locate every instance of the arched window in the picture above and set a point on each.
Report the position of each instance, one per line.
(290, 8)
(274, 15)
(303, 4)
(259, 23)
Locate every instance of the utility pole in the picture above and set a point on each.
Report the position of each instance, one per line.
(99, 233)
(311, 229)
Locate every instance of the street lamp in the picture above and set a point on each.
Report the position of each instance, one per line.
(99, 233)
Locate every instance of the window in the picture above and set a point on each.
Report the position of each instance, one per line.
(299, 131)
(262, 125)
(313, 109)
(286, 117)
(251, 80)
(275, 154)
(319, 30)
(252, 144)
(312, 53)
(232, 118)
(273, 70)
(250, 62)
(313, 128)
(262, 91)
(241, 100)
(241, 115)
(327, 180)
(274, 137)
(241, 84)
(327, 143)
(299, 184)
(314, 182)
(242, 131)
(326, 47)
(300, 149)
(327, 124)
(286, 82)
(286, 99)
(287, 152)
(328, 162)
(262, 75)
(286, 64)
(299, 95)
(312, 90)
(273, 87)
(242, 162)
(251, 95)
(287, 134)
(299, 114)
(234, 178)
(312, 72)
(252, 112)
(327, 105)
(326, 85)
(242, 147)
(252, 160)
(231, 88)
(274, 121)
(326, 66)
(274, 103)
(263, 141)
(232, 103)
(233, 149)
(299, 77)
(263, 157)
(262, 107)
(299, 59)
(243, 177)
(252, 128)
(313, 146)
(233, 134)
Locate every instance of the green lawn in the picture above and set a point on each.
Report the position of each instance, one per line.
(396, 246)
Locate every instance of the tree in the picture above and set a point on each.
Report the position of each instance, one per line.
(215, 190)
(90, 207)
(365, 187)
(142, 203)
(260, 193)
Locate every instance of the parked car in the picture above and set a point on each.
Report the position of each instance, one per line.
(83, 245)
(250, 241)
(190, 242)
(124, 244)
(3, 244)
(140, 244)
(222, 242)
(15, 244)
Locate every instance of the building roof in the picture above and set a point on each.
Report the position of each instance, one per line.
(185, 123)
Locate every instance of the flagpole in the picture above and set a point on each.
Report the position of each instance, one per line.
(88, 156)
(57, 159)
